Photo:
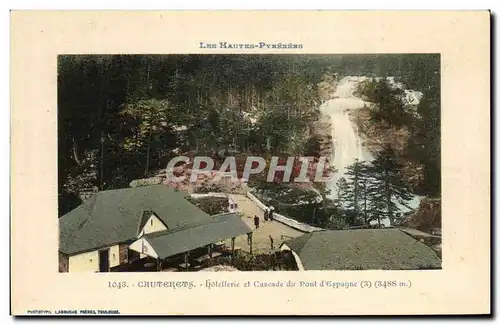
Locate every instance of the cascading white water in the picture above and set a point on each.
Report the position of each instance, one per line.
(348, 145)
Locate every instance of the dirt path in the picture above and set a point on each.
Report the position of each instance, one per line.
(261, 242)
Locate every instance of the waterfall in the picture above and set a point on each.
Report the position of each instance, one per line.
(347, 143)
(345, 137)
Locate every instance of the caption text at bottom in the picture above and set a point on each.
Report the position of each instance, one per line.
(213, 284)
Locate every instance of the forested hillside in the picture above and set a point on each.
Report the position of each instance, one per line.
(121, 117)
(413, 134)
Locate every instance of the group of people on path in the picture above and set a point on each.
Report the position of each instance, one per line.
(268, 215)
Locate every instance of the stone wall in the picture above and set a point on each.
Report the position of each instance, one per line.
(283, 219)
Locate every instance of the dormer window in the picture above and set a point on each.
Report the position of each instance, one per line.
(151, 223)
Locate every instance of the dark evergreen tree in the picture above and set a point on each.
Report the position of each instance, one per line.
(354, 192)
(387, 186)
(389, 107)
(344, 203)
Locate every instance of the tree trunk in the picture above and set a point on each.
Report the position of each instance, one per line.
(75, 153)
(356, 189)
(388, 198)
(365, 199)
(148, 153)
(101, 163)
(101, 116)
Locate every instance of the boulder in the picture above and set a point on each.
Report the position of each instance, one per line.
(428, 216)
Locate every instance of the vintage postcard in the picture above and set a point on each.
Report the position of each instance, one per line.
(177, 163)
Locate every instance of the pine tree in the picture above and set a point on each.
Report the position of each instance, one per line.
(347, 201)
(376, 210)
(342, 195)
(356, 196)
(389, 107)
(387, 186)
(342, 190)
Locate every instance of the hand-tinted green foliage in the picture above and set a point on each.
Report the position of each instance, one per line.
(419, 72)
(119, 116)
(389, 107)
(423, 74)
(277, 261)
(211, 205)
(355, 193)
(387, 186)
(304, 205)
(370, 191)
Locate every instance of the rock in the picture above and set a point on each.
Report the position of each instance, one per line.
(219, 268)
(427, 218)
(146, 181)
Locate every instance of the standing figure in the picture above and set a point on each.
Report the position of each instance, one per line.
(256, 222)
(271, 214)
(271, 241)
(266, 214)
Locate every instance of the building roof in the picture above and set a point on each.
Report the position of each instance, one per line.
(223, 226)
(115, 216)
(362, 249)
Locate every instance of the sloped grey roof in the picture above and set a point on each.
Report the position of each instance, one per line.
(298, 243)
(169, 243)
(362, 249)
(114, 216)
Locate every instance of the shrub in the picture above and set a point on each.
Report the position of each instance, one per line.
(260, 262)
(211, 205)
